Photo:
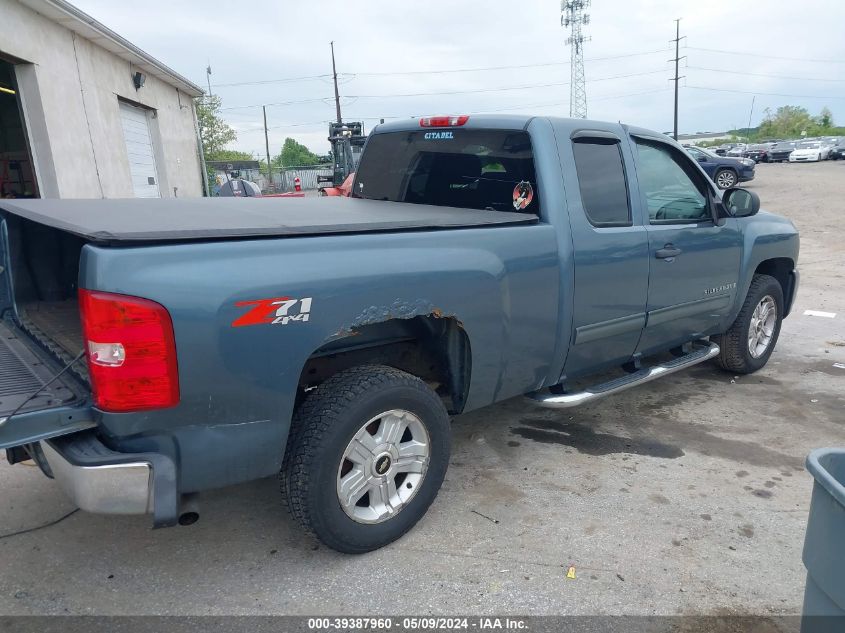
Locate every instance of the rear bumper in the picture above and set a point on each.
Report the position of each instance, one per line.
(103, 481)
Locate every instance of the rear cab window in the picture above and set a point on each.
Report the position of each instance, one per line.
(601, 180)
(465, 168)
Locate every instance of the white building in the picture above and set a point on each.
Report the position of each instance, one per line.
(86, 114)
(701, 137)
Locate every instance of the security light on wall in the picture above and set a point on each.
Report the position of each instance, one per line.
(138, 79)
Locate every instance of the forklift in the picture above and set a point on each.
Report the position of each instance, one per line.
(347, 141)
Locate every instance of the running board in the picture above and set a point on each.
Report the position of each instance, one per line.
(644, 375)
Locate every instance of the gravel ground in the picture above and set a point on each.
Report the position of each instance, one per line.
(684, 496)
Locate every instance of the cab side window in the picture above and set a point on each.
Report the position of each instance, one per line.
(673, 191)
(601, 179)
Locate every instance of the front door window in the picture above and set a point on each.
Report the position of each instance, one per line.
(670, 192)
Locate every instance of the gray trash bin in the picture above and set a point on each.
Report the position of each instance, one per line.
(824, 544)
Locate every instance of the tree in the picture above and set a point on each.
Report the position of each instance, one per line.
(786, 122)
(232, 154)
(295, 154)
(825, 118)
(214, 131)
(794, 121)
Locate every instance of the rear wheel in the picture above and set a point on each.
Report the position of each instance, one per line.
(748, 344)
(367, 454)
(725, 178)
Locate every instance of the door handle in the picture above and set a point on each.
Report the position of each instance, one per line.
(669, 251)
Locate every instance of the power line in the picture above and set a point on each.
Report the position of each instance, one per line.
(271, 81)
(352, 75)
(505, 109)
(769, 94)
(793, 59)
(284, 125)
(287, 103)
(739, 72)
(517, 67)
(524, 105)
(280, 103)
(447, 92)
(556, 103)
(504, 89)
(516, 107)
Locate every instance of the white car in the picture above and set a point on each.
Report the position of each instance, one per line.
(811, 151)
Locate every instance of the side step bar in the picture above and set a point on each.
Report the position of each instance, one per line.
(644, 375)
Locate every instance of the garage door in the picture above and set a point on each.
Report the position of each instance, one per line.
(139, 147)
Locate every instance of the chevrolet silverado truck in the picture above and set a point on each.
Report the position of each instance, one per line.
(154, 349)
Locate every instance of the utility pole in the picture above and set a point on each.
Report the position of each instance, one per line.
(267, 147)
(750, 114)
(676, 59)
(573, 17)
(336, 93)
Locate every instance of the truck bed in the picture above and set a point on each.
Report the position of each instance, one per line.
(57, 328)
(23, 372)
(184, 219)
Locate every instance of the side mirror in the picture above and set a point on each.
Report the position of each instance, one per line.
(741, 203)
(701, 159)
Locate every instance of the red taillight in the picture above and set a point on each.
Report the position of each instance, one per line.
(444, 121)
(131, 352)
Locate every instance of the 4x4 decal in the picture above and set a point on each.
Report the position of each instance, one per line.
(276, 311)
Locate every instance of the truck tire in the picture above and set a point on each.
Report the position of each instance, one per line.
(725, 178)
(748, 344)
(367, 454)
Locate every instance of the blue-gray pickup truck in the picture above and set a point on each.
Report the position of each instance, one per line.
(151, 350)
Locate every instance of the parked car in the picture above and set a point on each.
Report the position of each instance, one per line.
(479, 258)
(809, 151)
(737, 151)
(721, 150)
(781, 151)
(726, 172)
(837, 151)
(758, 153)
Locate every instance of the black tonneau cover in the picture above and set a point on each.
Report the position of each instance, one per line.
(156, 220)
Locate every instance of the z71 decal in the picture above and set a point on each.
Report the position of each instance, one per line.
(277, 311)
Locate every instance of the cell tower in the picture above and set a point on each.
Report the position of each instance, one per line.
(573, 17)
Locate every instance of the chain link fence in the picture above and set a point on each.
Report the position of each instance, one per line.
(283, 179)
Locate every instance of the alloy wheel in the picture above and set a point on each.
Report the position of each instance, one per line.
(383, 466)
(762, 328)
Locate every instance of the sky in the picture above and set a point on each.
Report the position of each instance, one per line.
(400, 59)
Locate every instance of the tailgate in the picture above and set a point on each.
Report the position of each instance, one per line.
(25, 370)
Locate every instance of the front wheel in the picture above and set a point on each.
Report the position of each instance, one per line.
(367, 455)
(725, 178)
(748, 344)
